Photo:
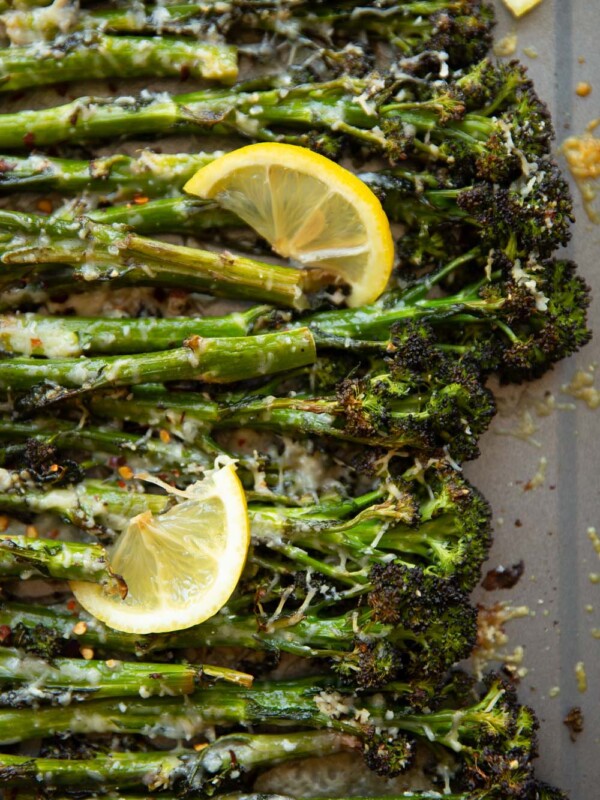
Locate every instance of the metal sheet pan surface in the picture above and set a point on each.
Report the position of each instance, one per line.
(551, 534)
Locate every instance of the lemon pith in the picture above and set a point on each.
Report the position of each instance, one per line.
(180, 567)
(308, 208)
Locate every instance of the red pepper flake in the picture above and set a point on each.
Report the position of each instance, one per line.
(165, 436)
(45, 206)
(5, 632)
(35, 342)
(140, 200)
(121, 484)
(126, 473)
(71, 605)
(29, 140)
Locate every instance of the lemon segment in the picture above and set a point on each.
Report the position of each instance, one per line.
(181, 566)
(308, 208)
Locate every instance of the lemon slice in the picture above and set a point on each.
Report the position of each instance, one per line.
(308, 208)
(180, 567)
(521, 7)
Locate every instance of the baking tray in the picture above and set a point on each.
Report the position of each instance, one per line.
(545, 527)
(552, 538)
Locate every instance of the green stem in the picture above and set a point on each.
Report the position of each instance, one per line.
(27, 679)
(351, 329)
(443, 529)
(118, 177)
(72, 436)
(226, 705)
(160, 771)
(138, 451)
(412, 27)
(407, 418)
(333, 108)
(55, 337)
(101, 253)
(308, 637)
(88, 504)
(209, 360)
(101, 56)
(278, 703)
(170, 215)
(23, 557)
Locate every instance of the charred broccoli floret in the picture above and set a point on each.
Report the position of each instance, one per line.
(542, 318)
(516, 319)
(418, 398)
(530, 214)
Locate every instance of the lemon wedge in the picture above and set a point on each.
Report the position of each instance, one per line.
(521, 7)
(181, 566)
(308, 208)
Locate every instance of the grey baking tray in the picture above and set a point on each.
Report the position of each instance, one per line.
(552, 540)
(550, 536)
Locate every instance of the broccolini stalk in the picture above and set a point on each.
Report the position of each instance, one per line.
(21, 556)
(461, 28)
(365, 111)
(32, 334)
(33, 446)
(101, 253)
(225, 759)
(416, 397)
(518, 319)
(56, 337)
(380, 723)
(87, 504)
(68, 58)
(303, 702)
(531, 214)
(170, 215)
(536, 790)
(27, 679)
(118, 177)
(413, 644)
(440, 526)
(56, 434)
(210, 360)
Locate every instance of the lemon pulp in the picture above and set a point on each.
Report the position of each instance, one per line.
(308, 208)
(181, 566)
